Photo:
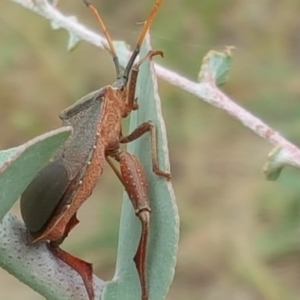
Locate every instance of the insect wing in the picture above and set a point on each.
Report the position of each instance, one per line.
(43, 195)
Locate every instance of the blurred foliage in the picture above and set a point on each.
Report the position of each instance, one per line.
(239, 233)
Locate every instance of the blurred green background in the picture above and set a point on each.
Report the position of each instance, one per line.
(240, 235)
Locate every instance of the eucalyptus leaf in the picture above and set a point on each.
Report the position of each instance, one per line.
(274, 165)
(164, 227)
(216, 66)
(35, 265)
(18, 166)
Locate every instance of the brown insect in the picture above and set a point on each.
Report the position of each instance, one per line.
(50, 203)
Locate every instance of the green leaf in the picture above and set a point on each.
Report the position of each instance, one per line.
(34, 264)
(18, 166)
(164, 228)
(73, 41)
(216, 66)
(274, 165)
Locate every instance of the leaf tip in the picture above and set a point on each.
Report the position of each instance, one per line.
(274, 164)
(216, 66)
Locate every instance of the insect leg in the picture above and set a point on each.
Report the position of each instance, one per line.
(131, 100)
(133, 177)
(83, 268)
(139, 131)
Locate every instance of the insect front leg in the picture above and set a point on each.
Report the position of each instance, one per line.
(133, 177)
(131, 100)
(139, 131)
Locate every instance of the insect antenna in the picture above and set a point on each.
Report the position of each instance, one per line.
(136, 51)
(141, 39)
(105, 32)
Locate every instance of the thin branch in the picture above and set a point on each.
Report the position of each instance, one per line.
(207, 91)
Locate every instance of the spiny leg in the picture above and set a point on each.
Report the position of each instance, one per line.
(133, 177)
(139, 131)
(141, 252)
(83, 268)
(136, 185)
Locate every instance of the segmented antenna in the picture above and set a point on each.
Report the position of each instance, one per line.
(105, 32)
(141, 38)
(139, 42)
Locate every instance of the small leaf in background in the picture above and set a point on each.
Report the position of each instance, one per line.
(74, 39)
(18, 166)
(274, 165)
(216, 66)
